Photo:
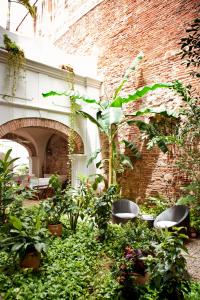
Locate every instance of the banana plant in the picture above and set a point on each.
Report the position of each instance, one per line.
(110, 117)
(26, 3)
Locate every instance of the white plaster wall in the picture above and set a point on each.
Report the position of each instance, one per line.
(28, 102)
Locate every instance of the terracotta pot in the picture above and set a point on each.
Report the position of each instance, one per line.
(140, 279)
(31, 260)
(55, 229)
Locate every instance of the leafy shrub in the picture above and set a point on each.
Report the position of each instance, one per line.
(102, 210)
(195, 292)
(154, 205)
(168, 267)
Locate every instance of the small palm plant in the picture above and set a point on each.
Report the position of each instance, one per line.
(8, 188)
(110, 117)
(26, 3)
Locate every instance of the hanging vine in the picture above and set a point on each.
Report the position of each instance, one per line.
(15, 62)
(71, 138)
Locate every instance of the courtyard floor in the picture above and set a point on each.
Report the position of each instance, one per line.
(193, 258)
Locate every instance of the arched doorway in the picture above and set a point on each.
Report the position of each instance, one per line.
(46, 140)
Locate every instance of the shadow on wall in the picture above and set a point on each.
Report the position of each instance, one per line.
(154, 174)
(57, 161)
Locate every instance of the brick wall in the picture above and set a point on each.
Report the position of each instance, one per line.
(118, 30)
(55, 16)
(57, 161)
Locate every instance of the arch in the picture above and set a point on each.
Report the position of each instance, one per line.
(55, 126)
(23, 141)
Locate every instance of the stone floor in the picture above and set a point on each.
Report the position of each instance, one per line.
(193, 258)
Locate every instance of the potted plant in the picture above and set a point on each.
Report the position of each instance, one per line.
(54, 206)
(54, 224)
(133, 266)
(26, 239)
(12, 193)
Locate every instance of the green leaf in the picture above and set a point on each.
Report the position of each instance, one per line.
(132, 146)
(40, 247)
(75, 95)
(112, 115)
(98, 164)
(127, 74)
(16, 222)
(17, 246)
(125, 160)
(7, 155)
(93, 157)
(139, 93)
(151, 133)
(29, 7)
(91, 118)
(160, 110)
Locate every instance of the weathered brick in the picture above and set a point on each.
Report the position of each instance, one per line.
(118, 30)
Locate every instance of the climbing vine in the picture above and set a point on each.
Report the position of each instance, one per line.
(15, 62)
(71, 138)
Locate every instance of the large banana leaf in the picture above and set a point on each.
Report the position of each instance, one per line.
(132, 146)
(139, 93)
(158, 110)
(125, 160)
(93, 156)
(75, 95)
(29, 7)
(152, 133)
(16, 222)
(91, 118)
(127, 74)
(112, 115)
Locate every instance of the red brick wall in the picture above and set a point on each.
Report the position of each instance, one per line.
(119, 30)
(57, 156)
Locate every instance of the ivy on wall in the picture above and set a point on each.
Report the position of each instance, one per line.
(15, 62)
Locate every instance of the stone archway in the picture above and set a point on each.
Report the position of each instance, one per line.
(56, 126)
(36, 134)
(23, 141)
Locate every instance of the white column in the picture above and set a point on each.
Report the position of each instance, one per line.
(35, 165)
(79, 168)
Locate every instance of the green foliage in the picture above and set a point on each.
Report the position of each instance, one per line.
(102, 210)
(77, 202)
(15, 61)
(191, 194)
(93, 156)
(55, 205)
(154, 205)
(195, 292)
(110, 116)
(29, 7)
(190, 46)
(188, 136)
(79, 267)
(189, 161)
(24, 233)
(10, 193)
(74, 268)
(168, 267)
(138, 94)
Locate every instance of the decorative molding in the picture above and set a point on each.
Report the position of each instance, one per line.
(53, 72)
(50, 108)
